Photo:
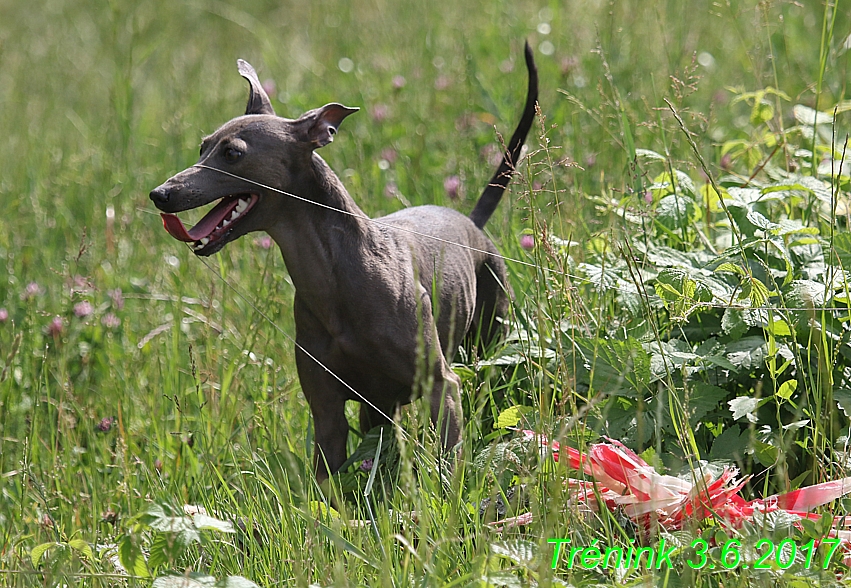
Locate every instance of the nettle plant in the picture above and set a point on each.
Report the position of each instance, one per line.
(726, 329)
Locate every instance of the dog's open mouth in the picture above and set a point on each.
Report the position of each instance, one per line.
(215, 225)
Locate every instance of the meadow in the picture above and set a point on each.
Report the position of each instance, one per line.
(676, 239)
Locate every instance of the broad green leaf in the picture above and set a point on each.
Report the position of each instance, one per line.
(744, 406)
(731, 268)
(648, 154)
(761, 112)
(732, 444)
(685, 183)
(703, 399)
(795, 227)
(235, 582)
(806, 294)
(709, 198)
(814, 186)
(733, 323)
(39, 550)
(190, 581)
(842, 249)
(131, 557)
(674, 284)
(811, 117)
(755, 291)
(509, 417)
(321, 510)
(779, 328)
(662, 256)
(519, 551)
(503, 579)
(842, 398)
(759, 221)
(675, 212)
(82, 547)
(748, 353)
(745, 196)
(203, 521)
(164, 548)
(786, 389)
(765, 453)
(801, 241)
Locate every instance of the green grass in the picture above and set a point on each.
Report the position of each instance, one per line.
(182, 390)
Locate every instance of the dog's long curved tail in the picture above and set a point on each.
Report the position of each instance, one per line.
(492, 194)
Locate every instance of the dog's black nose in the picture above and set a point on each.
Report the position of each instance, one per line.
(160, 195)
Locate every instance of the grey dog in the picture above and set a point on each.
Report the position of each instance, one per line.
(381, 305)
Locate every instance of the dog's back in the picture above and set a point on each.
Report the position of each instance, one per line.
(471, 280)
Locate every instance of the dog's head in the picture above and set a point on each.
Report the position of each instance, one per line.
(244, 165)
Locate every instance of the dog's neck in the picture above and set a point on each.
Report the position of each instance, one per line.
(319, 242)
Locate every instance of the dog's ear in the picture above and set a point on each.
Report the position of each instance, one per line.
(258, 100)
(320, 125)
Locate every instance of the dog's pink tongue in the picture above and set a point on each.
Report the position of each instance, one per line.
(175, 228)
(204, 227)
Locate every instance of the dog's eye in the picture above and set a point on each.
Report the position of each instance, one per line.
(232, 154)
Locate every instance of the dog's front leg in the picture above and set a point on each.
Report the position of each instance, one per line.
(324, 392)
(330, 434)
(328, 405)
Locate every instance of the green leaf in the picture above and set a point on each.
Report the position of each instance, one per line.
(678, 283)
(648, 154)
(39, 550)
(235, 582)
(811, 117)
(521, 552)
(796, 425)
(377, 456)
(509, 417)
(203, 521)
(842, 398)
(761, 112)
(765, 453)
(731, 268)
(733, 323)
(82, 547)
(786, 389)
(131, 557)
(503, 579)
(759, 221)
(748, 353)
(842, 249)
(755, 291)
(194, 580)
(779, 328)
(685, 183)
(731, 444)
(744, 406)
(675, 212)
(703, 399)
(814, 186)
(806, 294)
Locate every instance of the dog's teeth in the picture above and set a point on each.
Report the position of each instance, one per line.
(234, 215)
(241, 206)
(204, 241)
(225, 223)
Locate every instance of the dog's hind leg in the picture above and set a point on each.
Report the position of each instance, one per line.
(447, 414)
(492, 301)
